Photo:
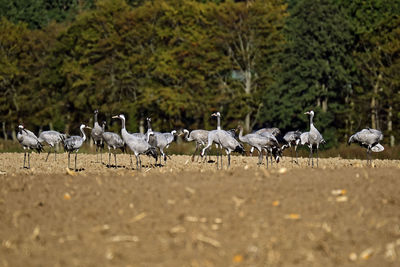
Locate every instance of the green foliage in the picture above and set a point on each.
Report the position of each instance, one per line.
(315, 69)
(261, 62)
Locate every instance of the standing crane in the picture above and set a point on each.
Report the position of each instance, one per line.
(292, 139)
(368, 138)
(113, 141)
(260, 143)
(136, 144)
(29, 141)
(74, 143)
(224, 139)
(199, 136)
(52, 138)
(314, 138)
(97, 136)
(157, 140)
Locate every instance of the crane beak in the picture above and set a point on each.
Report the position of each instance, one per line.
(87, 127)
(115, 117)
(308, 112)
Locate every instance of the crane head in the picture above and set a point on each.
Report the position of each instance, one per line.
(216, 114)
(96, 111)
(310, 113)
(120, 116)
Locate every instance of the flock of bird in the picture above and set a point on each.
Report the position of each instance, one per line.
(154, 144)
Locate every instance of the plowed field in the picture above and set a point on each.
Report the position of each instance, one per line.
(185, 213)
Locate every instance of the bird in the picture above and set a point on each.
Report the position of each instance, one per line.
(368, 138)
(273, 147)
(314, 138)
(265, 131)
(170, 136)
(200, 137)
(158, 140)
(136, 144)
(259, 142)
(97, 133)
(274, 131)
(113, 141)
(74, 143)
(292, 139)
(29, 141)
(304, 139)
(52, 138)
(225, 141)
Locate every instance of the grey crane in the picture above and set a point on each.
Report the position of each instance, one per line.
(29, 141)
(314, 138)
(259, 142)
(136, 144)
(272, 147)
(368, 138)
(304, 139)
(265, 131)
(97, 136)
(200, 137)
(224, 139)
(170, 136)
(158, 140)
(52, 138)
(113, 141)
(74, 143)
(292, 140)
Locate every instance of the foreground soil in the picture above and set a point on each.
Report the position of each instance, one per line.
(185, 213)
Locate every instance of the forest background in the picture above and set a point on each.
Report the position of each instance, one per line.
(260, 63)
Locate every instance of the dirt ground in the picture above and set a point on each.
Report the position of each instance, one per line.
(343, 213)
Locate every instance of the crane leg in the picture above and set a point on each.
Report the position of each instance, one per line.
(194, 153)
(259, 158)
(130, 156)
(266, 157)
(317, 157)
(24, 159)
(291, 153)
(229, 160)
(48, 155)
(297, 159)
(76, 155)
(115, 159)
(69, 156)
(137, 162)
(55, 153)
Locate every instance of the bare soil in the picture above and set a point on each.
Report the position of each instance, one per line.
(343, 213)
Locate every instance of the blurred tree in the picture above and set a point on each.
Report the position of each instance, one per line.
(249, 35)
(315, 71)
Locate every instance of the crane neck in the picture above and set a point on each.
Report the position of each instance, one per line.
(149, 126)
(218, 123)
(311, 120)
(186, 135)
(95, 118)
(83, 134)
(241, 134)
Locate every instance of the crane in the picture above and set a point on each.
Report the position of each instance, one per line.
(157, 140)
(314, 138)
(292, 139)
(113, 141)
(136, 144)
(52, 138)
(29, 141)
(74, 143)
(368, 138)
(97, 133)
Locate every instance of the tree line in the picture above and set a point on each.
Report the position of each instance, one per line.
(260, 63)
